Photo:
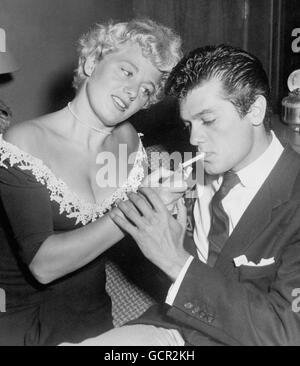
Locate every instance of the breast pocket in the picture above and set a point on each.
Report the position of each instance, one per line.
(260, 276)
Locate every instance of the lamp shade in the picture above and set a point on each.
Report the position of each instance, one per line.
(7, 63)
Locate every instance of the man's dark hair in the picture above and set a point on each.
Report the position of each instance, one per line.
(242, 76)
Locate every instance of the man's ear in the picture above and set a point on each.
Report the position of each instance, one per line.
(257, 111)
(89, 66)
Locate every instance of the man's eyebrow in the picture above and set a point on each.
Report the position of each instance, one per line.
(197, 115)
(205, 111)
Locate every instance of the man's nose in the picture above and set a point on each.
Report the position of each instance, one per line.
(196, 135)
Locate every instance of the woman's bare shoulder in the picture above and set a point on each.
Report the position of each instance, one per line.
(26, 135)
(127, 134)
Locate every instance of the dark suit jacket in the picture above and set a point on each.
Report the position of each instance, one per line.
(245, 305)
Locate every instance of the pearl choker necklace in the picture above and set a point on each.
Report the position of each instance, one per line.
(84, 123)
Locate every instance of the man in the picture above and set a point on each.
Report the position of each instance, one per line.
(237, 284)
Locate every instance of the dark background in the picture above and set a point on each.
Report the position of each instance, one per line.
(43, 34)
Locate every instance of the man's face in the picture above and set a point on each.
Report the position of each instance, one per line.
(121, 84)
(229, 141)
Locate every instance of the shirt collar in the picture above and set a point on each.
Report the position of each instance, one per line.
(255, 174)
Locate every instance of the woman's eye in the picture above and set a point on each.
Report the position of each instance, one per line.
(126, 72)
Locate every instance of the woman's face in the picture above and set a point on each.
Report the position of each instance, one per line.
(121, 84)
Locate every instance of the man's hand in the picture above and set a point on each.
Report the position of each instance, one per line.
(159, 236)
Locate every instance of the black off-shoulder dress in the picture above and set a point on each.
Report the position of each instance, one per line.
(35, 204)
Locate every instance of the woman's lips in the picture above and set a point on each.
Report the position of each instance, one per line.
(119, 103)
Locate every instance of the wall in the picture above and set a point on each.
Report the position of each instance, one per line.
(242, 23)
(42, 34)
(199, 22)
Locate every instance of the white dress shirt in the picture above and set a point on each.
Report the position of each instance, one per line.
(234, 203)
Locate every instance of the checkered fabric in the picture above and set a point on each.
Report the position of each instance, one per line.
(157, 157)
(128, 300)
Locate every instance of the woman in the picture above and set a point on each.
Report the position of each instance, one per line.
(54, 227)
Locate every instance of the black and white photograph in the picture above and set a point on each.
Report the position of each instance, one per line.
(149, 175)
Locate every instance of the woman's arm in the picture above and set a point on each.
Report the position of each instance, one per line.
(56, 255)
(63, 253)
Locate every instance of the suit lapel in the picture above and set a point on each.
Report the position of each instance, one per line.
(252, 223)
(274, 192)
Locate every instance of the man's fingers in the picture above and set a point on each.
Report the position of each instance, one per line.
(153, 198)
(173, 190)
(175, 186)
(141, 204)
(115, 210)
(131, 213)
(123, 223)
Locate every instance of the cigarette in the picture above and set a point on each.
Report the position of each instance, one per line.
(192, 160)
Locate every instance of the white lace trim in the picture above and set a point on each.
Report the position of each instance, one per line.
(68, 201)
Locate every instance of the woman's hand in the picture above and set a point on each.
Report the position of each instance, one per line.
(168, 185)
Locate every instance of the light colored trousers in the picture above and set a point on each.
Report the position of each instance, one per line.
(134, 335)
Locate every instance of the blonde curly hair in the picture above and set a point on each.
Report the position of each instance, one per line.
(159, 44)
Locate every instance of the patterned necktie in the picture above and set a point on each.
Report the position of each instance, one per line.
(219, 229)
